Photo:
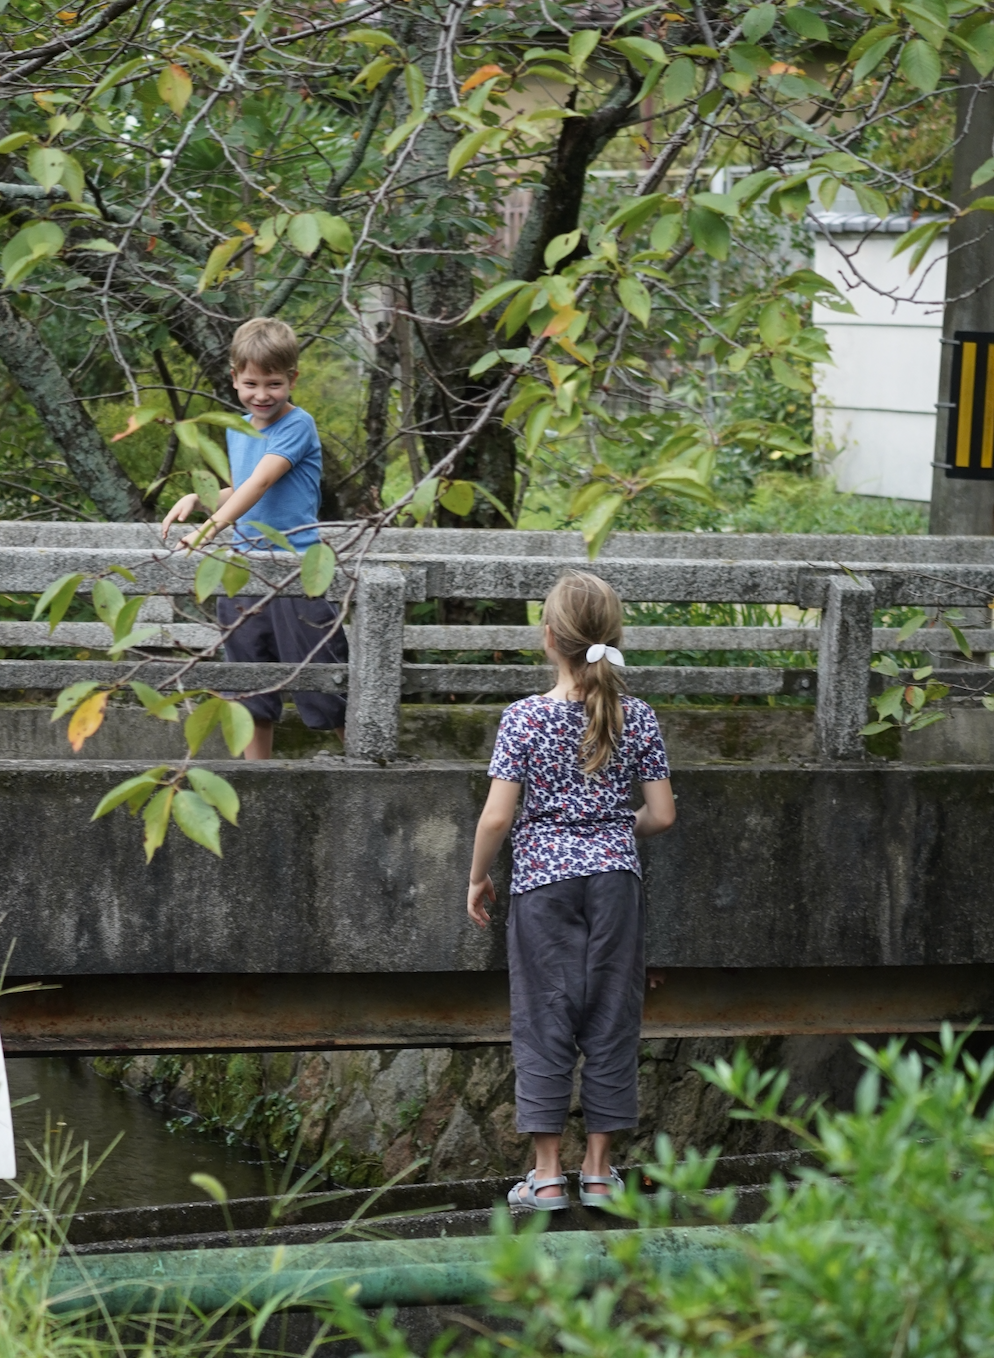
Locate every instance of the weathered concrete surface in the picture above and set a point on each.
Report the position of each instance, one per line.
(341, 867)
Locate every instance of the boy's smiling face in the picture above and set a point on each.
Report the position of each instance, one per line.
(266, 396)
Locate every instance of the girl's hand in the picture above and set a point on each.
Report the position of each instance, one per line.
(199, 537)
(180, 511)
(478, 892)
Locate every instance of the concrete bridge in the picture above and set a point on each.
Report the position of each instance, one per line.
(806, 887)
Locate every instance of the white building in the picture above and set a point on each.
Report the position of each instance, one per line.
(875, 408)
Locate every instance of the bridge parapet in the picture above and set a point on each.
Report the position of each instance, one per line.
(845, 578)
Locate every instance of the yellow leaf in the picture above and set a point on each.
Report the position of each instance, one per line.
(86, 719)
(561, 321)
(479, 77)
(566, 343)
(782, 68)
(175, 87)
(67, 16)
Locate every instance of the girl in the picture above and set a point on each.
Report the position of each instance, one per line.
(576, 929)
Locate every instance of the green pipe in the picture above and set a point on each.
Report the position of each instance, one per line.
(403, 1272)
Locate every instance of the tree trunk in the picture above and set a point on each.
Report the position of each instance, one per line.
(33, 366)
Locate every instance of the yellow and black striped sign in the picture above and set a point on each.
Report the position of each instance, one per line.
(970, 442)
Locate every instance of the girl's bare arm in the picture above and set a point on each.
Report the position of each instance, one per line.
(658, 811)
(495, 821)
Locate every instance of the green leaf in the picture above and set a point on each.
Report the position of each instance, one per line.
(959, 639)
(632, 214)
(73, 181)
(890, 702)
(643, 48)
(215, 457)
(274, 536)
(886, 665)
(236, 575)
(124, 792)
(790, 377)
(596, 523)
(371, 37)
(536, 425)
(156, 818)
(870, 200)
(666, 232)
(874, 728)
(209, 1185)
(161, 705)
(921, 65)
(201, 722)
(126, 616)
(14, 141)
(872, 58)
(870, 37)
(57, 598)
(921, 237)
(400, 134)
(914, 624)
(758, 22)
(929, 719)
(414, 84)
(226, 419)
(208, 577)
(71, 697)
(423, 500)
(988, 701)
(198, 821)
(115, 76)
(304, 232)
(561, 246)
(218, 260)
(206, 487)
(96, 245)
(489, 299)
(581, 44)
(981, 205)
(679, 81)
(930, 18)
(485, 363)
(458, 497)
(37, 241)
(467, 147)
(45, 164)
(635, 298)
(217, 792)
(982, 174)
(980, 48)
(806, 24)
(317, 569)
(107, 601)
(778, 322)
(709, 231)
(237, 726)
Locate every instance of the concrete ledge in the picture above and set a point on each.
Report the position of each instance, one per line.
(342, 867)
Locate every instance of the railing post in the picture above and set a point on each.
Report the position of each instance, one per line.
(376, 653)
(844, 654)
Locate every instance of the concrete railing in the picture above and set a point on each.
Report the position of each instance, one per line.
(845, 578)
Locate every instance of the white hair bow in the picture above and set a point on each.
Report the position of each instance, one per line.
(598, 651)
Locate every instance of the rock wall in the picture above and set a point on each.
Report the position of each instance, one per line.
(376, 1113)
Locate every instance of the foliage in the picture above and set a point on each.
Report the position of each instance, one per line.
(880, 1248)
(786, 503)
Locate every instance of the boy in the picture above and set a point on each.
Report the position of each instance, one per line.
(276, 480)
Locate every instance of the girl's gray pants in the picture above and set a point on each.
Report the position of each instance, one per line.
(576, 952)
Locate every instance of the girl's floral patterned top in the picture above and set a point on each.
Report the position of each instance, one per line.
(573, 824)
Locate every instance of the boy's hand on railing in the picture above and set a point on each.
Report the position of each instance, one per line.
(478, 892)
(181, 511)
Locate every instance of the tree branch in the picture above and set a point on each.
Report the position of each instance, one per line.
(64, 43)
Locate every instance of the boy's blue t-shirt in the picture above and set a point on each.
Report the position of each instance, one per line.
(296, 497)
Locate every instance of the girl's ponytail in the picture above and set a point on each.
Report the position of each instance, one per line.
(582, 611)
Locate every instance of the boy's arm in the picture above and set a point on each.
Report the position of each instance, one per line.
(496, 819)
(237, 502)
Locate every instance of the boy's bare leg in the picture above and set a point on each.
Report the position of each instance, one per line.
(261, 744)
(597, 1160)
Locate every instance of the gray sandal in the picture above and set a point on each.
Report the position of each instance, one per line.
(614, 1179)
(531, 1185)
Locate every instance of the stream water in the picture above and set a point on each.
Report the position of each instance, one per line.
(150, 1166)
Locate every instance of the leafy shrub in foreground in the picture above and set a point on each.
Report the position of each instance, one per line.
(882, 1251)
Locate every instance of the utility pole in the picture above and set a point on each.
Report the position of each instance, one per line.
(966, 506)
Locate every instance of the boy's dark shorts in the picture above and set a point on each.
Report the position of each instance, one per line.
(285, 632)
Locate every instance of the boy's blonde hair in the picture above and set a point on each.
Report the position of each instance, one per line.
(271, 345)
(581, 611)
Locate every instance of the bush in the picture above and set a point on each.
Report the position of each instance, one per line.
(882, 1251)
